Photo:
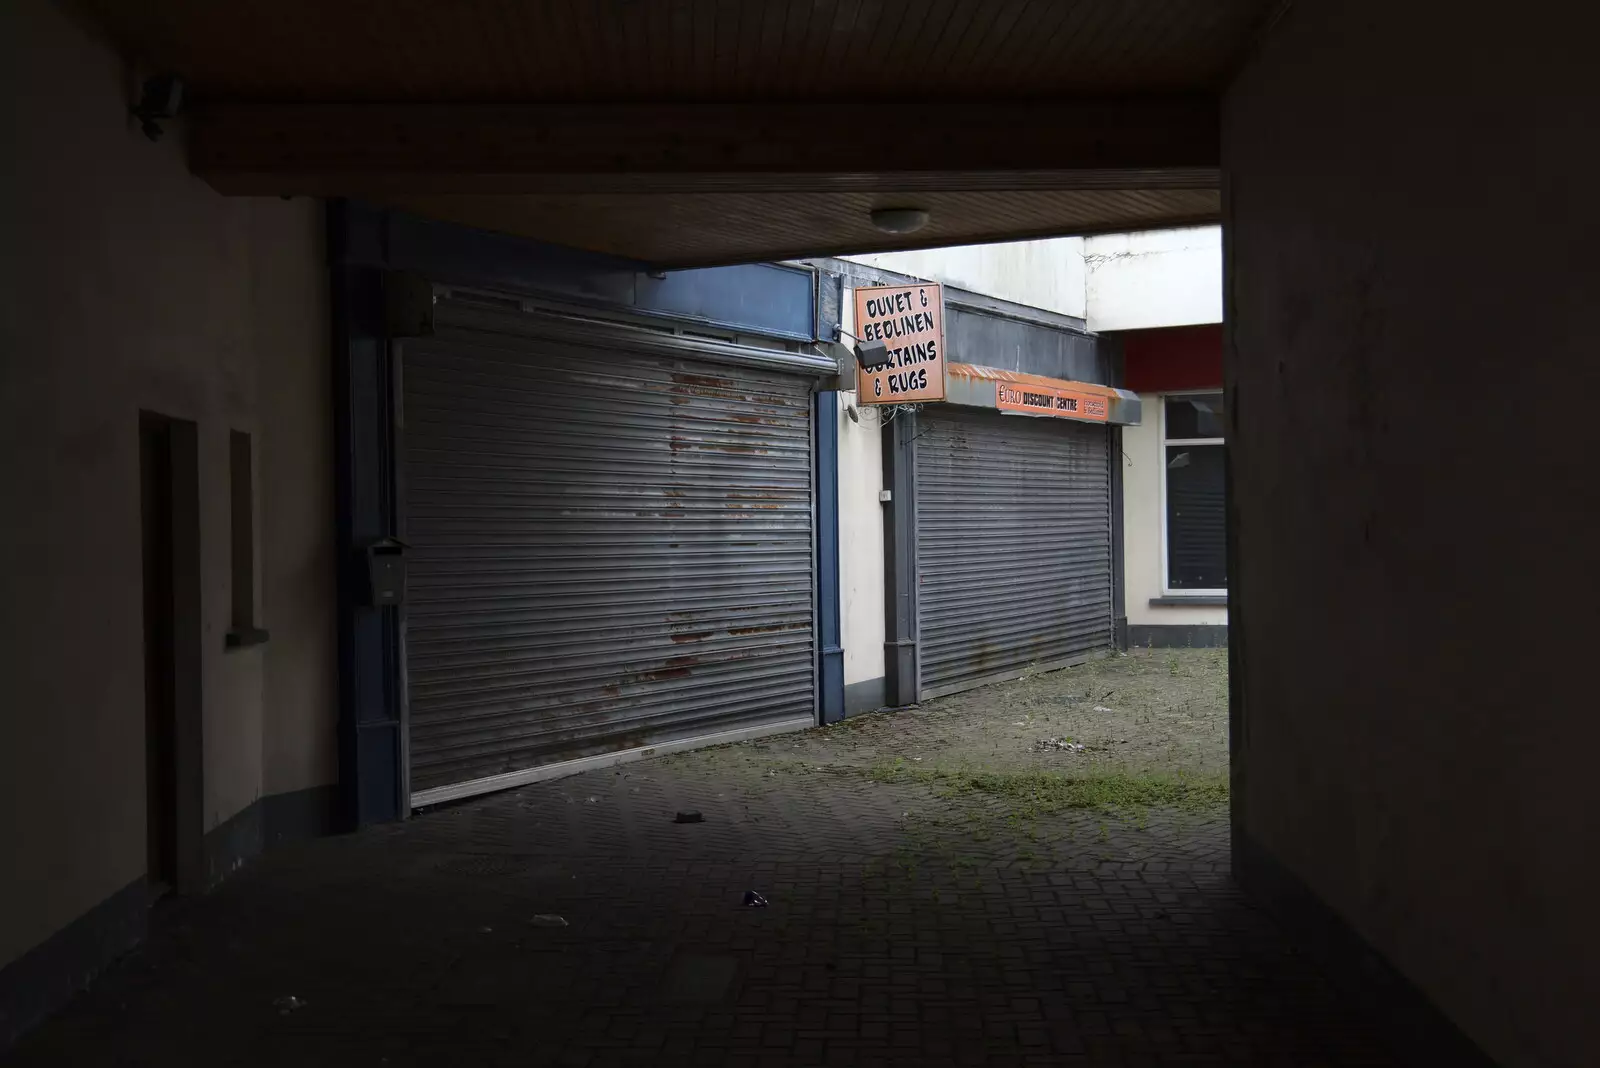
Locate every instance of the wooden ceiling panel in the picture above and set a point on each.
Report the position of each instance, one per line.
(683, 230)
(683, 50)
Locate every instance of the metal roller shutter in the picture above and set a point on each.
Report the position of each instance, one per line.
(1013, 545)
(611, 547)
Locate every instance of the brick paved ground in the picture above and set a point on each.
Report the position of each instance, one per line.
(909, 922)
(1150, 711)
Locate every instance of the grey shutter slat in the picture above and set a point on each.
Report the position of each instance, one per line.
(1013, 545)
(609, 549)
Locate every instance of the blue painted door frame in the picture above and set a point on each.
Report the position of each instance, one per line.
(371, 734)
(830, 658)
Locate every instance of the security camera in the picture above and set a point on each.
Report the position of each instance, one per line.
(160, 98)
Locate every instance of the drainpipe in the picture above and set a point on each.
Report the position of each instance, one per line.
(900, 558)
(830, 664)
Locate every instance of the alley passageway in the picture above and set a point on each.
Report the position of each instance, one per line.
(955, 884)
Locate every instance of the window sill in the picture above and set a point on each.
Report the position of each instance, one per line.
(244, 638)
(1191, 600)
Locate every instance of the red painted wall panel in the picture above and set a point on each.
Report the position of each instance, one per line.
(1176, 357)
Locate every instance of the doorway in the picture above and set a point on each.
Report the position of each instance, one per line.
(170, 538)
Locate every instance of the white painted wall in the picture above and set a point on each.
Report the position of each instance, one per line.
(1141, 527)
(1154, 279)
(1045, 274)
(130, 285)
(860, 535)
(1115, 281)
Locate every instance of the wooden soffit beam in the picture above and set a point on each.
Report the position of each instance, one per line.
(394, 149)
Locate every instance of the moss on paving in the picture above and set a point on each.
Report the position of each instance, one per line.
(1149, 733)
(1043, 792)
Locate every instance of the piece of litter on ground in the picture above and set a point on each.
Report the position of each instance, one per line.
(548, 919)
(1058, 745)
(917, 759)
(754, 900)
(688, 816)
(287, 1004)
(594, 800)
(1101, 708)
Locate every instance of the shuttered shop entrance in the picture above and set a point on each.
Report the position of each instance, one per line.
(610, 544)
(1013, 544)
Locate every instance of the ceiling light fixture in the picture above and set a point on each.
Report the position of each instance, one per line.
(899, 220)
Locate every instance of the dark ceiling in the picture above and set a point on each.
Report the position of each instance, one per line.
(867, 65)
(698, 228)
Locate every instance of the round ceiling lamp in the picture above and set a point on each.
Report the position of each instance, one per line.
(899, 220)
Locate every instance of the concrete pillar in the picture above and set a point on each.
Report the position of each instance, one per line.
(1413, 341)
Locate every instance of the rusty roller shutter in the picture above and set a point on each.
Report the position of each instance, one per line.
(1013, 545)
(611, 547)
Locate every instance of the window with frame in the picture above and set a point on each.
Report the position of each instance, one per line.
(1195, 493)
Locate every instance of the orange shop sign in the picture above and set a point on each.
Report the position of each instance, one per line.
(1050, 400)
(909, 320)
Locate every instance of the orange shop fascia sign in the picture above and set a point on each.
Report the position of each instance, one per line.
(909, 320)
(1051, 401)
